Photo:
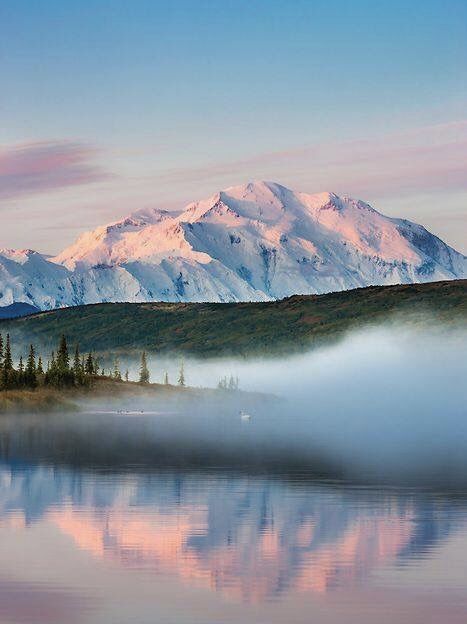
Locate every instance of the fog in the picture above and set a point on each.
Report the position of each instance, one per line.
(385, 404)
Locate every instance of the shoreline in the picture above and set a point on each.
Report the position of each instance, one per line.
(112, 392)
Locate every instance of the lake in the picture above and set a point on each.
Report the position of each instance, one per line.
(87, 541)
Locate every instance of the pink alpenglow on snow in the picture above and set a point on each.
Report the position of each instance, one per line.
(255, 242)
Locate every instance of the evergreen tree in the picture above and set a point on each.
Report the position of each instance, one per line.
(59, 373)
(63, 359)
(20, 376)
(166, 378)
(77, 368)
(117, 374)
(7, 359)
(144, 371)
(96, 366)
(7, 367)
(127, 376)
(30, 374)
(39, 369)
(1, 350)
(51, 377)
(181, 375)
(89, 366)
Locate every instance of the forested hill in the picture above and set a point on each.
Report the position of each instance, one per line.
(211, 329)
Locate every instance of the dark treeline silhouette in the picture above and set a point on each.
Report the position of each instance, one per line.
(58, 371)
(61, 370)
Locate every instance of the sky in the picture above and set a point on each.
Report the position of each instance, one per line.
(108, 106)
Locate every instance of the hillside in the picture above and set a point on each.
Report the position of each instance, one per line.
(209, 329)
(17, 309)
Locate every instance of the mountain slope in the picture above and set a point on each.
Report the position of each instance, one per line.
(207, 329)
(17, 309)
(256, 242)
(28, 277)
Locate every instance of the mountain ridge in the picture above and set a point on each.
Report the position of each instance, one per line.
(255, 242)
(293, 324)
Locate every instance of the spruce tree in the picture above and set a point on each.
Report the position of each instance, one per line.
(30, 374)
(7, 359)
(166, 378)
(40, 368)
(181, 375)
(89, 366)
(117, 374)
(20, 379)
(144, 371)
(127, 375)
(63, 359)
(51, 375)
(64, 374)
(7, 368)
(77, 370)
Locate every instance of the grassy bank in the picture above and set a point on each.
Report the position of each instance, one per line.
(113, 394)
(39, 400)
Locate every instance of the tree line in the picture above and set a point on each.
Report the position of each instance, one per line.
(62, 370)
(59, 371)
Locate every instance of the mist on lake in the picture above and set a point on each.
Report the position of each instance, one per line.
(382, 405)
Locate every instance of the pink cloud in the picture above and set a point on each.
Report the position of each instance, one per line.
(31, 168)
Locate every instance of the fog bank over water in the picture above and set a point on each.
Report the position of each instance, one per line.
(382, 405)
(392, 402)
(370, 362)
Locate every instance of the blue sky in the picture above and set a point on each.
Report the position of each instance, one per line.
(107, 106)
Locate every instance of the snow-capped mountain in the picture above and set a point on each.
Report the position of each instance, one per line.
(254, 242)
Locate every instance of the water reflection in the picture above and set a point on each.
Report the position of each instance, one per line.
(251, 539)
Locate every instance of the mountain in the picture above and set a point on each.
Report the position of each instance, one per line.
(255, 242)
(16, 310)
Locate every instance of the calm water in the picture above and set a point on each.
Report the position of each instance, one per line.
(187, 514)
(88, 544)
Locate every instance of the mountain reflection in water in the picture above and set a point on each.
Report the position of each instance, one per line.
(201, 519)
(253, 539)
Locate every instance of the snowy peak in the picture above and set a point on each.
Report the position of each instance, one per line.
(252, 242)
(21, 256)
(107, 244)
(258, 201)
